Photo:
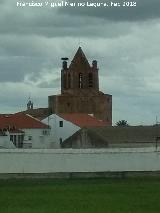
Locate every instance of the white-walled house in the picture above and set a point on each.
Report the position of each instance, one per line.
(37, 134)
(5, 142)
(60, 128)
(27, 131)
(37, 138)
(65, 125)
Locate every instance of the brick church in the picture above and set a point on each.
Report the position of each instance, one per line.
(79, 91)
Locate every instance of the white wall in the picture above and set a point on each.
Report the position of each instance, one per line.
(38, 141)
(81, 160)
(6, 143)
(57, 132)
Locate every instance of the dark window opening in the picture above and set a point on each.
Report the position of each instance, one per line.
(90, 80)
(68, 104)
(20, 142)
(17, 140)
(80, 80)
(29, 138)
(60, 123)
(45, 132)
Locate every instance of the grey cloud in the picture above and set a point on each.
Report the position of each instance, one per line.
(144, 10)
(14, 96)
(13, 69)
(20, 55)
(53, 23)
(60, 22)
(53, 84)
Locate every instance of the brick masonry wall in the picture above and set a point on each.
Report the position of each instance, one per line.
(99, 105)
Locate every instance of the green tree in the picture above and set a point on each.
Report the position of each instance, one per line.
(122, 123)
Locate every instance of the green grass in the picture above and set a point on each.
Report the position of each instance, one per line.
(80, 196)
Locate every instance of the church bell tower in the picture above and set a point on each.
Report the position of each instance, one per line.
(79, 77)
(80, 90)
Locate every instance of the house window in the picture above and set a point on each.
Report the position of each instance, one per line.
(45, 132)
(29, 138)
(60, 123)
(17, 140)
(20, 141)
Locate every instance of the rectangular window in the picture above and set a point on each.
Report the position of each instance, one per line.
(90, 79)
(60, 123)
(29, 138)
(15, 139)
(20, 142)
(80, 80)
(45, 132)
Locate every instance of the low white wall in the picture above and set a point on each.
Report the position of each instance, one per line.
(83, 160)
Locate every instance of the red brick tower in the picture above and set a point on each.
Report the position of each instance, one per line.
(80, 90)
(80, 77)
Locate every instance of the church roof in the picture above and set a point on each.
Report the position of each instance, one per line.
(79, 60)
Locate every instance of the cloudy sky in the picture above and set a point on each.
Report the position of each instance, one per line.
(124, 40)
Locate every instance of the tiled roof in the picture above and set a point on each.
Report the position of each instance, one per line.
(39, 113)
(5, 114)
(115, 136)
(21, 121)
(82, 120)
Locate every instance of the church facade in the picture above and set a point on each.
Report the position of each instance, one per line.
(80, 90)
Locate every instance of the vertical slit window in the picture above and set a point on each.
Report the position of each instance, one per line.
(60, 123)
(80, 80)
(90, 80)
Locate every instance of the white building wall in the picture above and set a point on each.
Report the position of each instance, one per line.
(58, 132)
(6, 143)
(36, 139)
(81, 160)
